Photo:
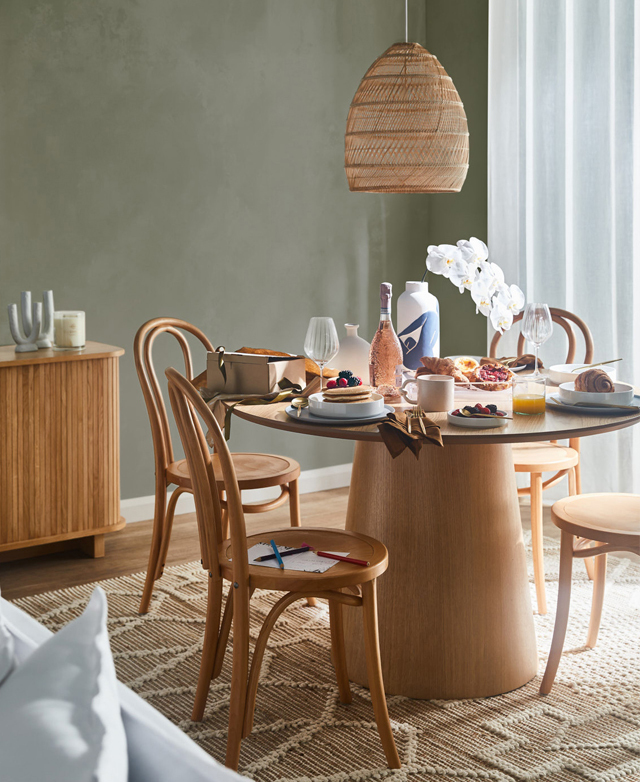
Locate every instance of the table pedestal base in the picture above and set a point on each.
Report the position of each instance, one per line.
(454, 608)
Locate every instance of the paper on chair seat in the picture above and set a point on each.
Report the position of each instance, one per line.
(307, 561)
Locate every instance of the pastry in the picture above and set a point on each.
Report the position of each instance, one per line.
(527, 360)
(494, 377)
(441, 366)
(465, 364)
(595, 381)
(347, 395)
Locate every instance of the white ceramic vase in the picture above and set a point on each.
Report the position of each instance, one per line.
(418, 324)
(353, 353)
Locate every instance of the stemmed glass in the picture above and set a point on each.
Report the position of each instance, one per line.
(537, 327)
(321, 343)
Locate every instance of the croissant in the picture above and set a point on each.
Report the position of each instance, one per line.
(595, 381)
(440, 366)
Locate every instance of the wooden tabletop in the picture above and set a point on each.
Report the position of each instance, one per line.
(9, 357)
(552, 425)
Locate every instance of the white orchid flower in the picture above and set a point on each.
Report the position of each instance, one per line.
(501, 318)
(491, 274)
(463, 275)
(442, 257)
(481, 296)
(473, 250)
(509, 296)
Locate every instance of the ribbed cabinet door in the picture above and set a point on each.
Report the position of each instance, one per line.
(59, 450)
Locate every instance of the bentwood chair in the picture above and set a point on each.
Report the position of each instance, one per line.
(537, 458)
(227, 560)
(254, 470)
(612, 521)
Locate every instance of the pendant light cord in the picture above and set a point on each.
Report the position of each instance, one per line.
(406, 21)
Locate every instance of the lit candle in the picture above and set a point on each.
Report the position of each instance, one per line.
(68, 330)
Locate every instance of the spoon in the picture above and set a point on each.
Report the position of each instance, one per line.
(299, 402)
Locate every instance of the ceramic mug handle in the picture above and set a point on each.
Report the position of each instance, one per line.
(405, 394)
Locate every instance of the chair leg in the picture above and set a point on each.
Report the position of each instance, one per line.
(562, 612)
(168, 526)
(574, 443)
(537, 542)
(374, 672)
(156, 544)
(212, 624)
(239, 675)
(597, 600)
(294, 515)
(338, 656)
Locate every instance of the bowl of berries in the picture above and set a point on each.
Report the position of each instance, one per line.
(346, 397)
(478, 416)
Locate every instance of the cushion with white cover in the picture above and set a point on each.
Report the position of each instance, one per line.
(60, 710)
(7, 653)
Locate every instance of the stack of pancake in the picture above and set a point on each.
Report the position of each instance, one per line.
(348, 395)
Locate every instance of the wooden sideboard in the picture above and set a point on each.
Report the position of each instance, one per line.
(59, 447)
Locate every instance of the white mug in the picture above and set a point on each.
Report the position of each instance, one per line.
(435, 393)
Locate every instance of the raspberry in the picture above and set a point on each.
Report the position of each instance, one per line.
(501, 413)
(343, 382)
(484, 411)
(455, 412)
(331, 384)
(479, 407)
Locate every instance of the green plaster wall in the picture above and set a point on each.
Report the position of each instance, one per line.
(186, 159)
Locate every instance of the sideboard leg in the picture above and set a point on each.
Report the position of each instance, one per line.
(93, 546)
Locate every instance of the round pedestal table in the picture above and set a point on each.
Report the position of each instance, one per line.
(454, 608)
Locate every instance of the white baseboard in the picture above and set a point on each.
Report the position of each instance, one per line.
(335, 477)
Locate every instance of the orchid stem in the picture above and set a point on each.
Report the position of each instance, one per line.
(424, 275)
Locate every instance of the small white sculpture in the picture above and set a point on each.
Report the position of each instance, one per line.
(26, 341)
(45, 339)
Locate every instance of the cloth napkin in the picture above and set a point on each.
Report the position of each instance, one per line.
(396, 436)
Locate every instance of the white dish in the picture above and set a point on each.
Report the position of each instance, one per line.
(306, 416)
(569, 408)
(561, 373)
(476, 423)
(622, 395)
(372, 407)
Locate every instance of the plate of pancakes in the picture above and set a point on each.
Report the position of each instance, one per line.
(353, 403)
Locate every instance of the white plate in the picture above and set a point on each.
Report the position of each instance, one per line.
(372, 407)
(585, 409)
(561, 373)
(476, 423)
(305, 416)
(622, 395)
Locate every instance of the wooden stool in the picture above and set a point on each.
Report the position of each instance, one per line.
(253, 470)
(612, 521)
(227, 560)
(537, 458)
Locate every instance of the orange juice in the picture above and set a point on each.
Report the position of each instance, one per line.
(529, 404)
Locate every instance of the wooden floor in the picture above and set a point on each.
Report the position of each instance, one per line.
(127, 551)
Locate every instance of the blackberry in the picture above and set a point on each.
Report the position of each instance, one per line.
(345, 373)
(353, 381)
(493, 409)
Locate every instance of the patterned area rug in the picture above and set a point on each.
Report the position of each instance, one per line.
(587, 729)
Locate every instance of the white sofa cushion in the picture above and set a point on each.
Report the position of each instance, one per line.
(7, 653)
(60, 709)
(158, 750)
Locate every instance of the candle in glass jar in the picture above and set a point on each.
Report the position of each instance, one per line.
(68, 330)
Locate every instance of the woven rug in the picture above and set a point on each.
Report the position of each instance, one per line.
(587, 729)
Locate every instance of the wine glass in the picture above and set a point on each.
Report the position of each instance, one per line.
(537, 327)
(321, 343)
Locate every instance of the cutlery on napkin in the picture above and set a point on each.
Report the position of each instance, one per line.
(403, 429)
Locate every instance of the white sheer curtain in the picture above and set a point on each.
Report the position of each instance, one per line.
(564, 182)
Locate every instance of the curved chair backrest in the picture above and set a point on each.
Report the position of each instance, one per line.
(188, 407)
(564, 319)
(142, 347)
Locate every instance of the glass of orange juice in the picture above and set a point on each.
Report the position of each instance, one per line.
(528, 395)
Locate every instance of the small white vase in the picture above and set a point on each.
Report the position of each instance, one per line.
(353, 354)
(418, 324)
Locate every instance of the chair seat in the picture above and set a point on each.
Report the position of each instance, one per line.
(254, 471)
(606, 517)
(543, 457)
(341, 574)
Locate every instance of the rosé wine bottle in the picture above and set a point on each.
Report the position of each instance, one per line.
(386, 350)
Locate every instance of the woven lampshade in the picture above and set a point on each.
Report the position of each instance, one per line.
(406, 129)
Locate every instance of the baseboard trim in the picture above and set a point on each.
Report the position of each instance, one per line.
(321, 479)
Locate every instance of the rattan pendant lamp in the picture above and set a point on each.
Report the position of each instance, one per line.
(406, 128)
